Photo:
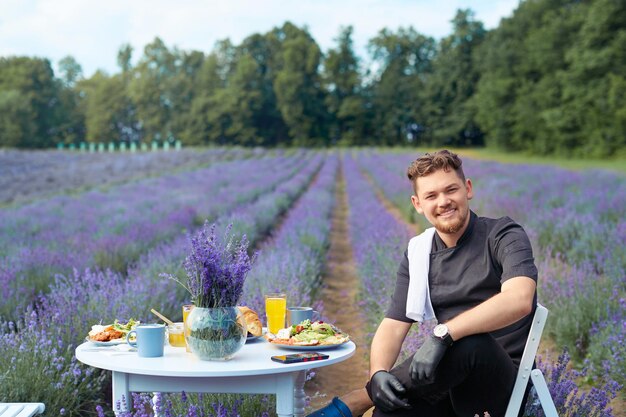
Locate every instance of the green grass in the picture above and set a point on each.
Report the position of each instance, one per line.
(615, 164)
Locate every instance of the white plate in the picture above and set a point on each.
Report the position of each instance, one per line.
(313, 348)
(110, 343)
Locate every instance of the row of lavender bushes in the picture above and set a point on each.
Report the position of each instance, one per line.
(380, 167)
(254, 218)
(112, 229)
(29, 175)
(36, 353)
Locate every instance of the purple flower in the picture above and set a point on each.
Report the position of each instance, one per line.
(216, 268)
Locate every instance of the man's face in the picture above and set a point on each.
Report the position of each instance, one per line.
(443, 198)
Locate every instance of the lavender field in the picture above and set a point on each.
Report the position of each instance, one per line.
(109, 225)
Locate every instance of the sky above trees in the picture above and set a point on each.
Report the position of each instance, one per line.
(92, 32)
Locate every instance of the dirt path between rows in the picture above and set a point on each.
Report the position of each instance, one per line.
(341, 285)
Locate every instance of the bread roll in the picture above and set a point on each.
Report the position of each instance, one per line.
(253, 322)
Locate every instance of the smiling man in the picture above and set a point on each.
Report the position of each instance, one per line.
(476, 276)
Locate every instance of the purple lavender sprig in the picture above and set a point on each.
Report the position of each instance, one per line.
(569, 399)
(216, 268)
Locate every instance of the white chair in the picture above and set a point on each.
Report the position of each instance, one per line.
(526, 371)
(21, 409)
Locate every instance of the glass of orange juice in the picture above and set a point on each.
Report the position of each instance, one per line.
(275, 310)
(186, 310)
(176, 335)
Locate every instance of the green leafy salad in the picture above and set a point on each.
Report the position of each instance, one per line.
(324, 333)
(125, 327)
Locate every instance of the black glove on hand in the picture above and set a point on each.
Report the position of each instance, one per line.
(385, 389)
(426, 359)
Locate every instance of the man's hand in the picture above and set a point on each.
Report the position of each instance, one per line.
(386, 390)
(426, 359)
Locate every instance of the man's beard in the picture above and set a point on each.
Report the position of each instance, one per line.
(455, 226)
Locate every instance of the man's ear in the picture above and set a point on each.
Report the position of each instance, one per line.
(416, 203)
(469, 188)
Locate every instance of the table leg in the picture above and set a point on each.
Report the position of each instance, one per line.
(299, 396)
(284, 394)
(120, 392)
(157, 401)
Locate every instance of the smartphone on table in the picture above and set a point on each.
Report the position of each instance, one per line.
(299, 357)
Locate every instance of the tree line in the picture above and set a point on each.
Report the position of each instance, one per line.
(550, 79)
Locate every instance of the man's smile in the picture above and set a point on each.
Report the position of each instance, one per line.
(448, 213)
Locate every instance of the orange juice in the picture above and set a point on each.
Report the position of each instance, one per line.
(176, 335)
(186, 309)
(275, 309)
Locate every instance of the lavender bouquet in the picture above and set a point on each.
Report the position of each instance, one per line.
(216, 268)
(216, 271)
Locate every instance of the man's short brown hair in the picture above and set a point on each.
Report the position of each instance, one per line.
(430, 162)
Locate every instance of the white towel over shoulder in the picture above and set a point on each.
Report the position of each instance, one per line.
(418, 304)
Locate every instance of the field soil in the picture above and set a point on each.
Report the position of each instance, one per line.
(341, 285)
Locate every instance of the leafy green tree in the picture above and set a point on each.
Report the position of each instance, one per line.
(70, 71)
(452, 83)
(183, 90)
(233, 107)
(127, 125)
(245, 101)
(150, 91)
(71, 117)
(265, 49)
(198, 131)
(514, 74)
(554, 25)
(243, 111)
(124, 56)
(297, 87)
(208, 119)
(405, 61)
(552, 79)
(15, 111)
(29, 94)
(344, 99)
(105, 106)
(592, 106)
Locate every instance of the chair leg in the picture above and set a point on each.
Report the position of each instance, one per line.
(539, 382)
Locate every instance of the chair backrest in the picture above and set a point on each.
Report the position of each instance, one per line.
(21, 409)
(526, 364)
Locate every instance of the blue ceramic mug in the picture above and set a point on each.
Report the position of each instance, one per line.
(296, 315)
(149, 339)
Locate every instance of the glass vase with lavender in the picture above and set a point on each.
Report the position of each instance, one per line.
(216, 269)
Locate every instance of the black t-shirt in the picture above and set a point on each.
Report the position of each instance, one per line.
(490, 252)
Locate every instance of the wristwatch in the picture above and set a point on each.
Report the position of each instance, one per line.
(441, 332)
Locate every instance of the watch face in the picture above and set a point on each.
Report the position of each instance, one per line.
(440, 330)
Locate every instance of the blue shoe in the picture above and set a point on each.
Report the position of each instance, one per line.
(336, 408)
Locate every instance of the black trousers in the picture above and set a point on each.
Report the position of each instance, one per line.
(475, 375)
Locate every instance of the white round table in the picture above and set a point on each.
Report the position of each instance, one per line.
(250, 371)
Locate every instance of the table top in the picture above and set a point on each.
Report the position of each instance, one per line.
(252, 359)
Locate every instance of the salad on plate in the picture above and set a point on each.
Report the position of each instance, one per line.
(307, 333)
